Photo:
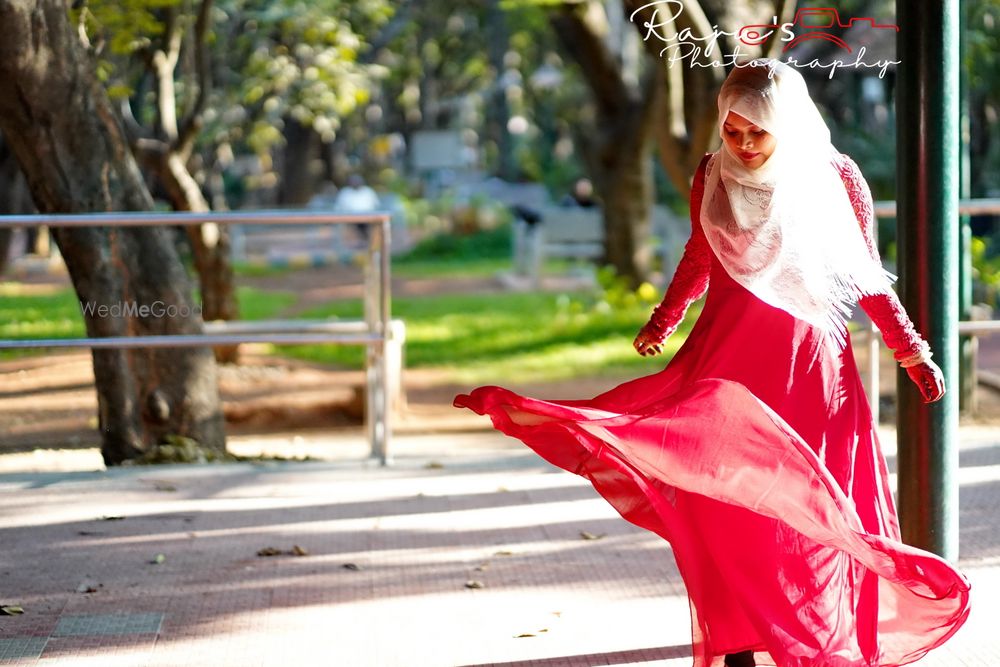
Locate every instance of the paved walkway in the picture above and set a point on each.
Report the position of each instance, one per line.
(469, 551)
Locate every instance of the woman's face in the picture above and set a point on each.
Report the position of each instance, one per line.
(748, 142)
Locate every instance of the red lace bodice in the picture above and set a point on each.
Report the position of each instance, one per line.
(691, 278)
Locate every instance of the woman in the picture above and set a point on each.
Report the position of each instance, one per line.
(754, 452)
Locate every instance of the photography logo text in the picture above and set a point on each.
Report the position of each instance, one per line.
(810, 23)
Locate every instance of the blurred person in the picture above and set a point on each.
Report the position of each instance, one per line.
(582, 195)
(357, 197)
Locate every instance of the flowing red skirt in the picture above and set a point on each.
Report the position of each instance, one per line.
(753, 453)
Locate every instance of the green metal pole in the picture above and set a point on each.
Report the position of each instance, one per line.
(927, 195)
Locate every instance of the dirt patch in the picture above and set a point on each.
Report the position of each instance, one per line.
(50, 401)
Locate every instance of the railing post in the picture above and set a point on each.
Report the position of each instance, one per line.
(927, 167)
(374, 334)
(377, 398)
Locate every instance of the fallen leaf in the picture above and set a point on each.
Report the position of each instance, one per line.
(112, 518)
(523, 634)
(298, 551)
(89, 532)
(269, 551)
(474, 584)
(590, 536)
(481, 568)
(11, 610)
(88, 586)
(351, 566)
(434, 465)
(158, 560)
(504, 553)
(502, 489)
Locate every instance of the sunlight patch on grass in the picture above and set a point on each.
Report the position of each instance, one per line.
(256, 304)
(473, 338)
(504, 337)
(24, 314)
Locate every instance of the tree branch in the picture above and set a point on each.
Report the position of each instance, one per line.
(164, 63)
(192, 122)
(582, 36)
(389, 32)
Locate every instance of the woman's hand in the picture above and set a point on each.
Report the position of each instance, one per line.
(649, 340)
(929, 379)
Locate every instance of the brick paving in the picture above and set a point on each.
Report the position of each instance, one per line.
(469, 551)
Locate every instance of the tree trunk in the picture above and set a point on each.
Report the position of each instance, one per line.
(625, 179)
(618, 146)
(71, 147)
(302, 150)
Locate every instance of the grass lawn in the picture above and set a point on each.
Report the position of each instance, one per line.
(58, 315)
(475, 338)
(505, 337)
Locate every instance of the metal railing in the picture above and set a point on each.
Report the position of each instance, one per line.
(975, 328)
(375, 331)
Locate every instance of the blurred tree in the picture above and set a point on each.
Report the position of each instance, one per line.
(287, 70)
(639, 103)
(983, 65)
(441, 62)
(154, 57)
(62, 127)
(14, 197)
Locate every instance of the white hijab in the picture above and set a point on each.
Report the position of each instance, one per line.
(787, 231)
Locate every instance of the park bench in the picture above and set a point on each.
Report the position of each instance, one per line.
(577, 233)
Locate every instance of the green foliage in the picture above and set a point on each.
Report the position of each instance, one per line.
(272, 60)
(982, 54)
(986, 271)
(449, 247)
(611, 294)
(295, 59)
(126, 25)
(614, 290)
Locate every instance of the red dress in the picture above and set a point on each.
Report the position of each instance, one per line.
(754, 454)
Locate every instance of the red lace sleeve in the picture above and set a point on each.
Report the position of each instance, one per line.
(690, 280)
(861, 199)
(885, 310)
